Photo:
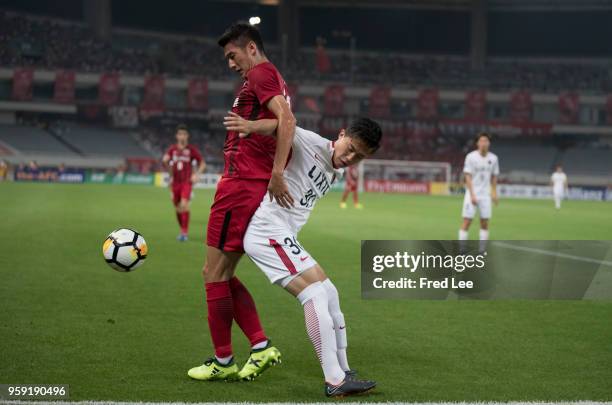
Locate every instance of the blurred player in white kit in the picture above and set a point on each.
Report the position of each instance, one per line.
(558, 180)
(481, 169)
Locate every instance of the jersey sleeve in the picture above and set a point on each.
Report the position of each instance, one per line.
(468, 167)
(196, 155)
(265, 83)
(495, 171)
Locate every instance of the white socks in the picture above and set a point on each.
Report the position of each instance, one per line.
(484, 234)
(333, 303)
(260, 345)
(320, 328)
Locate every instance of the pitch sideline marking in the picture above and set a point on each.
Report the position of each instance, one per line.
(556, 254)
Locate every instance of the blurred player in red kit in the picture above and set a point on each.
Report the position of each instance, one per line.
(351, 185)
(179, 159)
(254, 166)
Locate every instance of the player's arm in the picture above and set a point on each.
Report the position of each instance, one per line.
(494, 189)
(470, 187)
(166, 163)
(277, 187)
(234, 122)
(201, 166)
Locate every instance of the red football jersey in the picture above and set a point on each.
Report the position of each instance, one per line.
(253, 157)
(181, 161)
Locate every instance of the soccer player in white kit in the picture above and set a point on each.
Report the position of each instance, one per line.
(481, 169)
(559, 185)
(271, 240)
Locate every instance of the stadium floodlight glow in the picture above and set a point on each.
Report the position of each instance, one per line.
(254, 20)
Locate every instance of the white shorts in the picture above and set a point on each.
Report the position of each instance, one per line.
(483, 207)
(276, 251)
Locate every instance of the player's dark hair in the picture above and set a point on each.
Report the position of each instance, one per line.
(368, 131)
(480, 135)
(181, 127)
(241, 33)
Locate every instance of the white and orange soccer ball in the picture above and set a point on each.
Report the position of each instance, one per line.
(125, 249)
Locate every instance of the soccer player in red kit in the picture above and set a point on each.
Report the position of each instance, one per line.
(351, 186)
(254, 165)
(179, 159)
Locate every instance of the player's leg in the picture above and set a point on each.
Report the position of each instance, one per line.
(246, 316)
(485, 210)
(229, 219)
(176, 200)
(558, 200)
(183, 212)
(333, 304)
(356, 202)
(183, 204)
(468, 212)
(218, 269)
(345, 195)
(313, 296)
(286, 263)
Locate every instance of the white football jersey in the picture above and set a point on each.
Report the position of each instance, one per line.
(481, 168)
(309, 175)
(558, 180)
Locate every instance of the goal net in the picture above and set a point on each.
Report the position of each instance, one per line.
(403, 176)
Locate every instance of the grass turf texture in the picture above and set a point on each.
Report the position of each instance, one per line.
(68, 318)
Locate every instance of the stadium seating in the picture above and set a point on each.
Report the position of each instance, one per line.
(97, 141)
(588, 161)
(48, 44)
(525, 158)
(32, 140)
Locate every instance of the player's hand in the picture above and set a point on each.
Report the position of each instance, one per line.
(234, 122)
(474, 199)
(194, 178)
(495, 199)
(278, 190)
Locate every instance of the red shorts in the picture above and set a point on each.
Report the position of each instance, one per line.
(181, 191)
(236, 200)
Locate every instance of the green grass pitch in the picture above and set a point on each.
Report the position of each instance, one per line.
(66, 317)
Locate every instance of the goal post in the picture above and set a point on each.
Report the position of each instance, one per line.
(404, 176)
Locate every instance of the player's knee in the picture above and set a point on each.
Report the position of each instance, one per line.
(330, 289)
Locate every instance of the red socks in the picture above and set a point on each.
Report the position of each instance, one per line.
(185, 224)
(183, 220)
(228, 300)
(245, 312)
(220, 316)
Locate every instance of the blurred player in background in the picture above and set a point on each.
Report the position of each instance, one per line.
(481, 169)
(253, 166)
(558, 180)
(179, 160)
(3, 170)
(271, 242)
(351, 184)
